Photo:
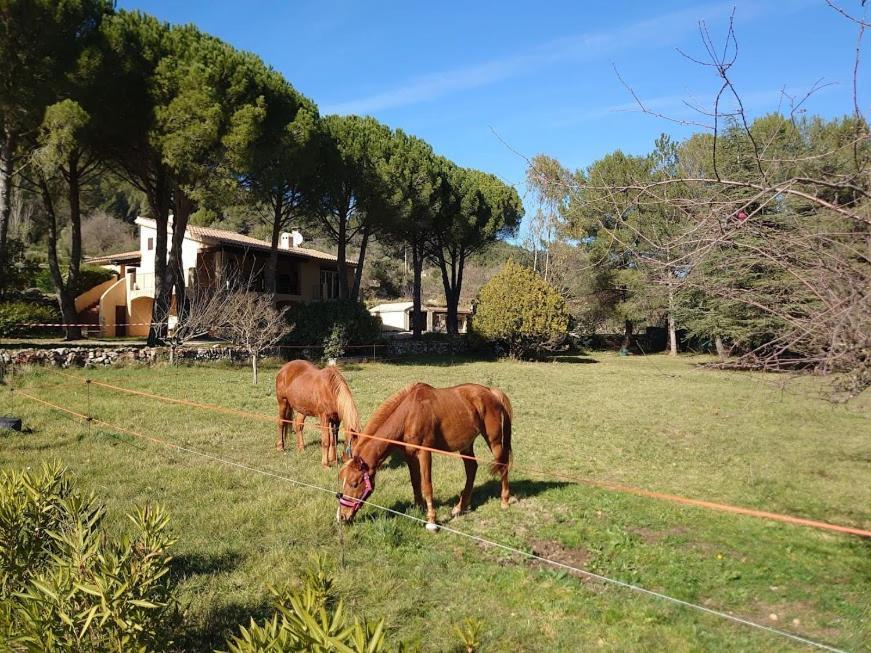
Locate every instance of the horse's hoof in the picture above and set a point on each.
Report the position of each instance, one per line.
(432, 527)
(457, 511)
(279, 449)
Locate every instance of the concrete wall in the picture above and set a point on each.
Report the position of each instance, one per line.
(93, 295)
(115, 295)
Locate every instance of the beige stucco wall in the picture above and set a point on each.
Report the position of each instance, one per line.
(91, 296)
(140, 314)
(115, 295)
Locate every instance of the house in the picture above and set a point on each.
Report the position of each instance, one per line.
(122, 306)
(396, 317)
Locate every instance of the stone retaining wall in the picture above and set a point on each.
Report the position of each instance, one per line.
(97, 355)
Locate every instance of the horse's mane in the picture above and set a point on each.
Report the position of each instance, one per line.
(345, 405)
(386, 409)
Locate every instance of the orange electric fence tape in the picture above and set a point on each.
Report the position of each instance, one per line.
(477, 538)
(608, 485)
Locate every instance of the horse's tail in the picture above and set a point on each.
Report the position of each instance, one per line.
(498, 465)
(345, 405)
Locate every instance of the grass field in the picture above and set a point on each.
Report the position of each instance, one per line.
(654, 422)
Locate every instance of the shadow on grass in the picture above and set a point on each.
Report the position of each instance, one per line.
(210, 631)
(488, 491)
(195, 564)
(571, 360)
(435, 360)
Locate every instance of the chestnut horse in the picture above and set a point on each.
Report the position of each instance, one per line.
(309, 391)
(445, 419)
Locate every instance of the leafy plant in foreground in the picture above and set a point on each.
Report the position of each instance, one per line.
(66, 584)
(312, 619)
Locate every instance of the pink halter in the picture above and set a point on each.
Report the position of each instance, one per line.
(351, 502)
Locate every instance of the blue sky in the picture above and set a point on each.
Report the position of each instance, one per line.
(540, 75)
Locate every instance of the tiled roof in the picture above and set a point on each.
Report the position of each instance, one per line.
(240, 240)
(224, 237)
(123, 257)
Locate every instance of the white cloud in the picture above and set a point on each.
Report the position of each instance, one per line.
(656, 31)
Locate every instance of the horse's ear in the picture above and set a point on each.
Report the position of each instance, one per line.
(345, 457)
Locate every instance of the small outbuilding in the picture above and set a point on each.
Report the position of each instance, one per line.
(396, 317)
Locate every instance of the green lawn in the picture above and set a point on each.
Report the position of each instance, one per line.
(661, 424)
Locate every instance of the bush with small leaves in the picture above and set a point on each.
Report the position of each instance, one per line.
(519, 311)
(312, 321)
(14, 314)
(66, 584)
(314, 620)
(336, 342)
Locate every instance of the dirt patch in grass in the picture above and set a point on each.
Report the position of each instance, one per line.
(800, 617)
(555, 551)
(651, 536)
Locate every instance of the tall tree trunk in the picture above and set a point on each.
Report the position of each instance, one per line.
(183, 209)
(417, 273)
(454, 306)
(721, 348)
(341, 255)
(159, 202)
(254, 368)
(358, 273)
(453, 284)
(74, 199)
(162, 282)
(446, 282)
(7, 147)
(672, 329)
(272, 261)
(628, 335)
(65, 300)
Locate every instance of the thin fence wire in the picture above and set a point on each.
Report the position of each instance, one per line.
(598, 483)
(471, 536)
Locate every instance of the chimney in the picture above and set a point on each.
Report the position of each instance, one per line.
(289, 240)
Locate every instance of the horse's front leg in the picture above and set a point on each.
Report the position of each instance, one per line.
(471, 466)
(334, 442)
(285, 412)
(326, 440)
(414, 472)
(425, 458)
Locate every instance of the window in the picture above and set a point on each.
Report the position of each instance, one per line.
(150, 244)
(287, 281)
(329, 284)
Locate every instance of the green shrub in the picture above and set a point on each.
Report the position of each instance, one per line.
(66, 584)
(89, 276)
(312, 619)
(21, 269)
(25, 312)
(312, 321)
(521, 312)
(336, 342)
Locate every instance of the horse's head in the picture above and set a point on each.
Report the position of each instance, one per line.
(357, 485)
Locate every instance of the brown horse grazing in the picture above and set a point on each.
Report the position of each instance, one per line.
(314, 392)
(446, 419)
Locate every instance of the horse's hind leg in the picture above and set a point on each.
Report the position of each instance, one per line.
(285, 412)
(298, 426)
(493, 433)
(471, 469)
